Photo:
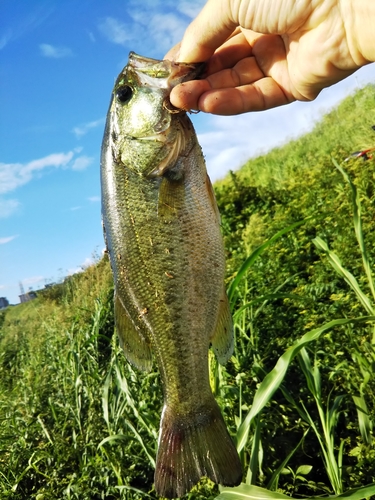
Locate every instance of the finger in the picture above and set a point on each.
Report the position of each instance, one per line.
(187, 95)
(233, 46)
(244, 72)
(173, 53)
(232, 51)
(258, 96)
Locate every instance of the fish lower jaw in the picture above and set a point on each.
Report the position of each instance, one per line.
(156, 137)
(162, 135)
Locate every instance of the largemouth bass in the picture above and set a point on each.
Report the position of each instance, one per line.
(162, 232)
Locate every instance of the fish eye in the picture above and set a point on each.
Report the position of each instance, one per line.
(124, 93)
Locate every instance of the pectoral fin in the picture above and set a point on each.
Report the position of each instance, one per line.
(171, 198)
(222, 340)
(135, 345)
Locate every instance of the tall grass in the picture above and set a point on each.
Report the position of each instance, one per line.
(328, 414)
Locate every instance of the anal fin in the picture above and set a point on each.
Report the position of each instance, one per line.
(136, 347)
(223, 340)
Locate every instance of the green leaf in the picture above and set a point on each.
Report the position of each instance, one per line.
(257, 252)
(333, 413)
(344, 273)
(110, 439)
(268, 296)
(252, 472)
(358, 493)
(136, 490)
(250, 492)
(304, 470)
(363, 419)
(272, 380)
(358, 226)
(272, 484)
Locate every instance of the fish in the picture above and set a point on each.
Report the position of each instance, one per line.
(162, 230)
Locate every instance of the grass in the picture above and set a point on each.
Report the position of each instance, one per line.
(78, 422)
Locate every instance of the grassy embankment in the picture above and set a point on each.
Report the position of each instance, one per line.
(76, 421)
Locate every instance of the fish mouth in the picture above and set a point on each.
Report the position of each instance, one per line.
(159, 137)
(164, 74)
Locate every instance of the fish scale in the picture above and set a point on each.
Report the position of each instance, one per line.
(163, 238)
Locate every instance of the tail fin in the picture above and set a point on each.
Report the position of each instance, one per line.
(192, 445)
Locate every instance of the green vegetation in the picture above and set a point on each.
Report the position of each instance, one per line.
(78, 422)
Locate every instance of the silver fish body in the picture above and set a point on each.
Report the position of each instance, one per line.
(161, 225)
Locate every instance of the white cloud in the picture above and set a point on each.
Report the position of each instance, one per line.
(82, 162)
(52, 160)
(8, 207)
(14, 175)
(5, 38)
(73, 209)
(166, 30)
(74, 270)
(32, 281)
(54, 52)
(116, 31)
(94, 199)
(89, 261)
(190, 8)
(7, 239)
(91, 36)
(86, 127)
(164, 23)
(27, 21)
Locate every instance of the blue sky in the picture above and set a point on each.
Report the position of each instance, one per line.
(59, 60)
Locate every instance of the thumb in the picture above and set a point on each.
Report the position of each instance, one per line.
(173, 53)
(213, 25)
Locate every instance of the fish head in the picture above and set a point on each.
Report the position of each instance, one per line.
(143, 123)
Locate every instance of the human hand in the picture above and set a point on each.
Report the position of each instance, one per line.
(265, 53)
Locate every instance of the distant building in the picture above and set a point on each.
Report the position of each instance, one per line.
(25, 297)
(4, 302)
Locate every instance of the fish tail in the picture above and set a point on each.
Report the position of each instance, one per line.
(193, 445)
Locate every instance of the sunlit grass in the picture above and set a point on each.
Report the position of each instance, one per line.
(328, 413)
